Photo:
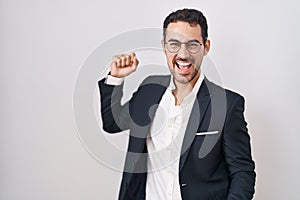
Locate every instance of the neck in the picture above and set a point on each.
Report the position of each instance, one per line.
(183, 89)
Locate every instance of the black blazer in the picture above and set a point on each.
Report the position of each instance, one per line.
(212, 166)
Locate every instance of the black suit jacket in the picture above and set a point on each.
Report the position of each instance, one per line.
(212, 166)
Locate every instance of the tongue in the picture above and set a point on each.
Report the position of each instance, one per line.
(184, 68)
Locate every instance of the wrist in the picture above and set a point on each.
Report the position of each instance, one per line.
(115, 75)
(112, 80)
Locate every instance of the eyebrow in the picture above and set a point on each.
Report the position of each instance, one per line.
(174, 40)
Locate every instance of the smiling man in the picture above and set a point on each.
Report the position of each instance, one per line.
(188, 137)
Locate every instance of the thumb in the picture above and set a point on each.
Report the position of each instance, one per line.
(135, 61)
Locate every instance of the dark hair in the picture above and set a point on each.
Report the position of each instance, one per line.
(192, 16)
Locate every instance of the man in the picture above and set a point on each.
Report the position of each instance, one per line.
(188, 137)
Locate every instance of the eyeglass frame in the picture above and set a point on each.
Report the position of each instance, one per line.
(191, 41)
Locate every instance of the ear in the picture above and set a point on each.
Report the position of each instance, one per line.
(163, 45)
(206, 47)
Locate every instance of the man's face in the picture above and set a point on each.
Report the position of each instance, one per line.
(184, 65)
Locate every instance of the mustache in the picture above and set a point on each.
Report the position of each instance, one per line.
(190, 60)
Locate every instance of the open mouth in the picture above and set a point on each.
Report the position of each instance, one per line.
(183, 67)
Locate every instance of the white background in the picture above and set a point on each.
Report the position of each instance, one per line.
(255, 47)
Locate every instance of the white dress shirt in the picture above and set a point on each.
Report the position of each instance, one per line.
(164, 142)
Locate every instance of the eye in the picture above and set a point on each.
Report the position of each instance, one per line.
(193, 45)
(174, 44)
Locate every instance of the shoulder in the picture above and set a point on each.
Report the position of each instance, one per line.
(162, 80)
(152, 86)
(217, 90)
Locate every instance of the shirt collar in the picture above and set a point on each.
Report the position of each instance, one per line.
(192, 95)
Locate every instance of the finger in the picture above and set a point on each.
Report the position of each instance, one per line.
(115, 58)
(113, 64)
(132, 56)
(118, 61)
(135, 62)
(127, 60)
(122, 60)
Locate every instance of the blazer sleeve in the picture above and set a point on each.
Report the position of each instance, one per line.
(237, 152)
(115, 117)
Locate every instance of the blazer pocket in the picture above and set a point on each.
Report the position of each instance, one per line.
(208, 133)
(219, 196)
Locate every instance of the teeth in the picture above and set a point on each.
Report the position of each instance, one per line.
(183, 63)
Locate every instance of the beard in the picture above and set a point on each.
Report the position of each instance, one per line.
(184, 79)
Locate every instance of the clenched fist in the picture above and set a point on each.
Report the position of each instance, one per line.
(123, 65)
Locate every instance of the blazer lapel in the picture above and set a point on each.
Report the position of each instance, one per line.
(197, 115)
(143, 108)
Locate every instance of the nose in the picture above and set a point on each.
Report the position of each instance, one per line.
(183, 52)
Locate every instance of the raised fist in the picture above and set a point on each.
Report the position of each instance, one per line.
(123, 65)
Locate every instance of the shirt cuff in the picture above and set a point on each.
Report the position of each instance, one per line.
(111, 80)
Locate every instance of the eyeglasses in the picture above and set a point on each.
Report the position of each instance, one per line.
(174, 46)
